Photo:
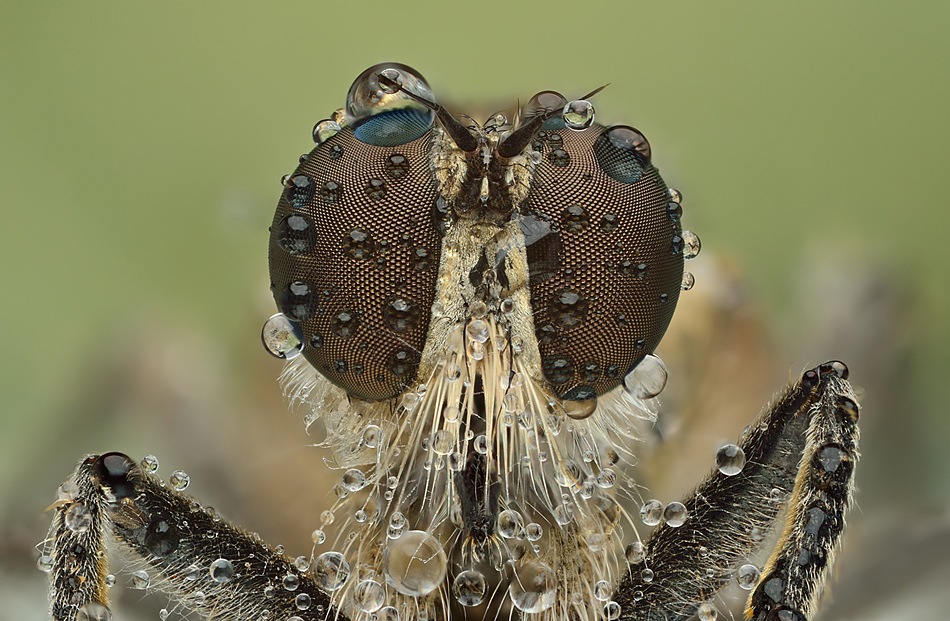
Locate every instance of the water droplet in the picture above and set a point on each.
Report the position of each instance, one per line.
(623, 153)
(140, 580)
(602, 590)
(296, 234)
(533, 588)
(291, 582)
(403, 362)
(612, 611)
(675, 514)
(635, 552)
(647, 379)
(478, 330)
(401, 315)
(302, 563)
(397, 166)
(688, 281)
(163, 614)
(371, 436)
(354, 480)
(481, 444)
(609, 223)
(559, 158)
(375, 189)
(558, 369)
(510, 524)
(469, 588)
(179, 480)
(324, 130)
(675, 196)
(345, 323)
(302, 601)
(331, 192)
(707, 612)
(93, 611)
(691, 245)
(415, 564)
(387, 613)
(282, 338)
(318, 536)
(575, 219)
(421, 259)
(45, 563)
(369, 596)
(578, 115)
(221, 570)
(78, 517)
(192, 572)
(730, 459)
(647, 575)
(298, 301)
(674, 211)
(161, 536)
(651, 512)
(748, 576)
(149, 463)
(533, 531)
(606, 478)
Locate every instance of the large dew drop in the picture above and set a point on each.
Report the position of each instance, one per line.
(469, 588)
(730, 459)
(647, 379)
(414, 564)
(330, 571)
(281, 337)
(533, 587)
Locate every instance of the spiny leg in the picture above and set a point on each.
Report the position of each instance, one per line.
(802, 448)
(199, 559)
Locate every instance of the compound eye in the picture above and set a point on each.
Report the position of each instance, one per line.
(384, 116)
(543, 103)
(623, 153)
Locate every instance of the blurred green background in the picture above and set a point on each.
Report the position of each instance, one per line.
(141, 146)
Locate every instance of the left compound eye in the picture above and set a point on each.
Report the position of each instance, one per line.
(385, 117)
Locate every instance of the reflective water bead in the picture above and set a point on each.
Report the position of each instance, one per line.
(478, 330)
(443, 441)
(579, 409)
(291, 582)
(635, 552)
(296, 234)
(45, 563)
(302, 601)
(602, 590)
(371, 436)
(354, 480)
(415, 564)
(469, 588)
(730, 459)
(387, 613)
(533, 588)
(163, 614)
(606, 478)
(330, 571)
(78, 518)
(481, 444)
(675, 195)
(324, 130)
(533, 531)
(707, 612)
(318, 536)
(563, 514)
(93, 611)
(452, 372)
(451, 413)
(578, 115)
(149, 463)
(688, 281)
(282, 338)
(179, 480)
(140, 580)
(748, 576)
(510, 524)
(647, 379)
(612, 611)
(221, 570)
(302, 563)
(651, 512)
(675, 514)
(369, 596)
(691, 245)
(109, 580)
(647, 575)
